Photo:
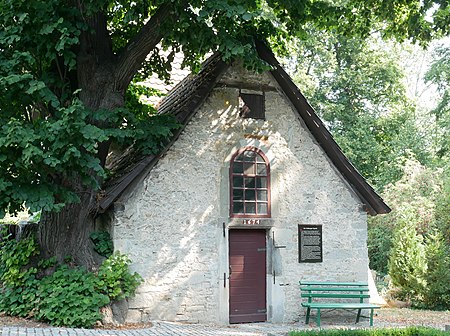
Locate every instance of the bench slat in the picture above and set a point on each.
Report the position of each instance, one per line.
(348, 305)
(320, 283)
(336, 295)
(335, 289)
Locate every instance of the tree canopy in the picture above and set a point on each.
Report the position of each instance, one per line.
(66, 67)
(439, 74)
(357, 86)
(56, 55)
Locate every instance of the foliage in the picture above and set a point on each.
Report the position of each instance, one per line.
(66, 67)
(437, 292)
(103, 244)
(418, 259)
(410, 331)
(442, 214)
(17, 280)
(70, 296)
(14, 259)
(63, 149)
(115, 279)
(407, 263)
(417, 191)
(439, 74)
(379, 244)
(356, 86)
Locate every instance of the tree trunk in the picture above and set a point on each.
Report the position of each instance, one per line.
(103, 78)
(66, 234)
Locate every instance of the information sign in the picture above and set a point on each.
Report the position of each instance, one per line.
(310, 243)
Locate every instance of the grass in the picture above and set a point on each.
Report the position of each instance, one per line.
(410, 331)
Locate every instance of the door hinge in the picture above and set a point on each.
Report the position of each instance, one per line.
(261, 249)
(261, 311)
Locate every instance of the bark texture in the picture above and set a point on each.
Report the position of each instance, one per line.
(66, 234)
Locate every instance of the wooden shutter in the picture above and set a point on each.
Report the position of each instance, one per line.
(253, 106)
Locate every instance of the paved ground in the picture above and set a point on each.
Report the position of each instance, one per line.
(159, 329)
(384, 318)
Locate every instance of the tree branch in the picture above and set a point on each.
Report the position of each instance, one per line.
(131, 58)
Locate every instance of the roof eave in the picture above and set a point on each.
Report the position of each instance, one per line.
(183, 115)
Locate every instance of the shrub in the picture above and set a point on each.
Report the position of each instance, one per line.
(418, 261)
(103, 244)
(19, 300)
(14, 259)
(437, 292)
(115, 279)
(70, 296)
(379, 244)
(443, 206)
(407, 263)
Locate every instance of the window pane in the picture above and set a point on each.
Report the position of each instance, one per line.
(238, 194)
(238, 207)
(238, 181)
(250, 195)
(261, 195)
(250, 182)
(238, 168)
(240, 158)
(250, 207)
(261, 169)
(249, 168)
(249, 156)
(262, 208)
(261, 182)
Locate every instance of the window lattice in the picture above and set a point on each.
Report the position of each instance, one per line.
(250, 185)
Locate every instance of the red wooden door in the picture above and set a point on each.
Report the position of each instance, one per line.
(247, 276)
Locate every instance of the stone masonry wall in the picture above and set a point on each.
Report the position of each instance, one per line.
(171, 225)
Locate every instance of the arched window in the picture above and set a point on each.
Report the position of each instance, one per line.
(249, 184)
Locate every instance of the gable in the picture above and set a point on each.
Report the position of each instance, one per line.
(184, 100)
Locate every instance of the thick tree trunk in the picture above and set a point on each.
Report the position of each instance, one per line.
(103, 78)
(66, 234)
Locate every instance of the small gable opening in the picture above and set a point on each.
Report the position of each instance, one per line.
(251, 106)
(249, 184)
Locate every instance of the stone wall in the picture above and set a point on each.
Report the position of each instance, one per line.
(171, 225)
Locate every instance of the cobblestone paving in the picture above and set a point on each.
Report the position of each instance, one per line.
(163, 328)
(158, 329)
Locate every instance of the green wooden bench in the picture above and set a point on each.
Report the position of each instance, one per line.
(328, 295)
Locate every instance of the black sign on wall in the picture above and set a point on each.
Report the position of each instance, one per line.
(310, 243)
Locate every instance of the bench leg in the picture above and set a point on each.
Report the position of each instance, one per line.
(371, 317)
(318, 317)
(308, 311)
(358, 316)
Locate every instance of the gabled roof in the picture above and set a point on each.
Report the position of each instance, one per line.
(186, 97)
(182, 102)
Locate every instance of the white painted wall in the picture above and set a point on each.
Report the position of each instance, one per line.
(171, 225)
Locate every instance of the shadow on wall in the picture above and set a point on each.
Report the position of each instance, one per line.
(171, 233)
